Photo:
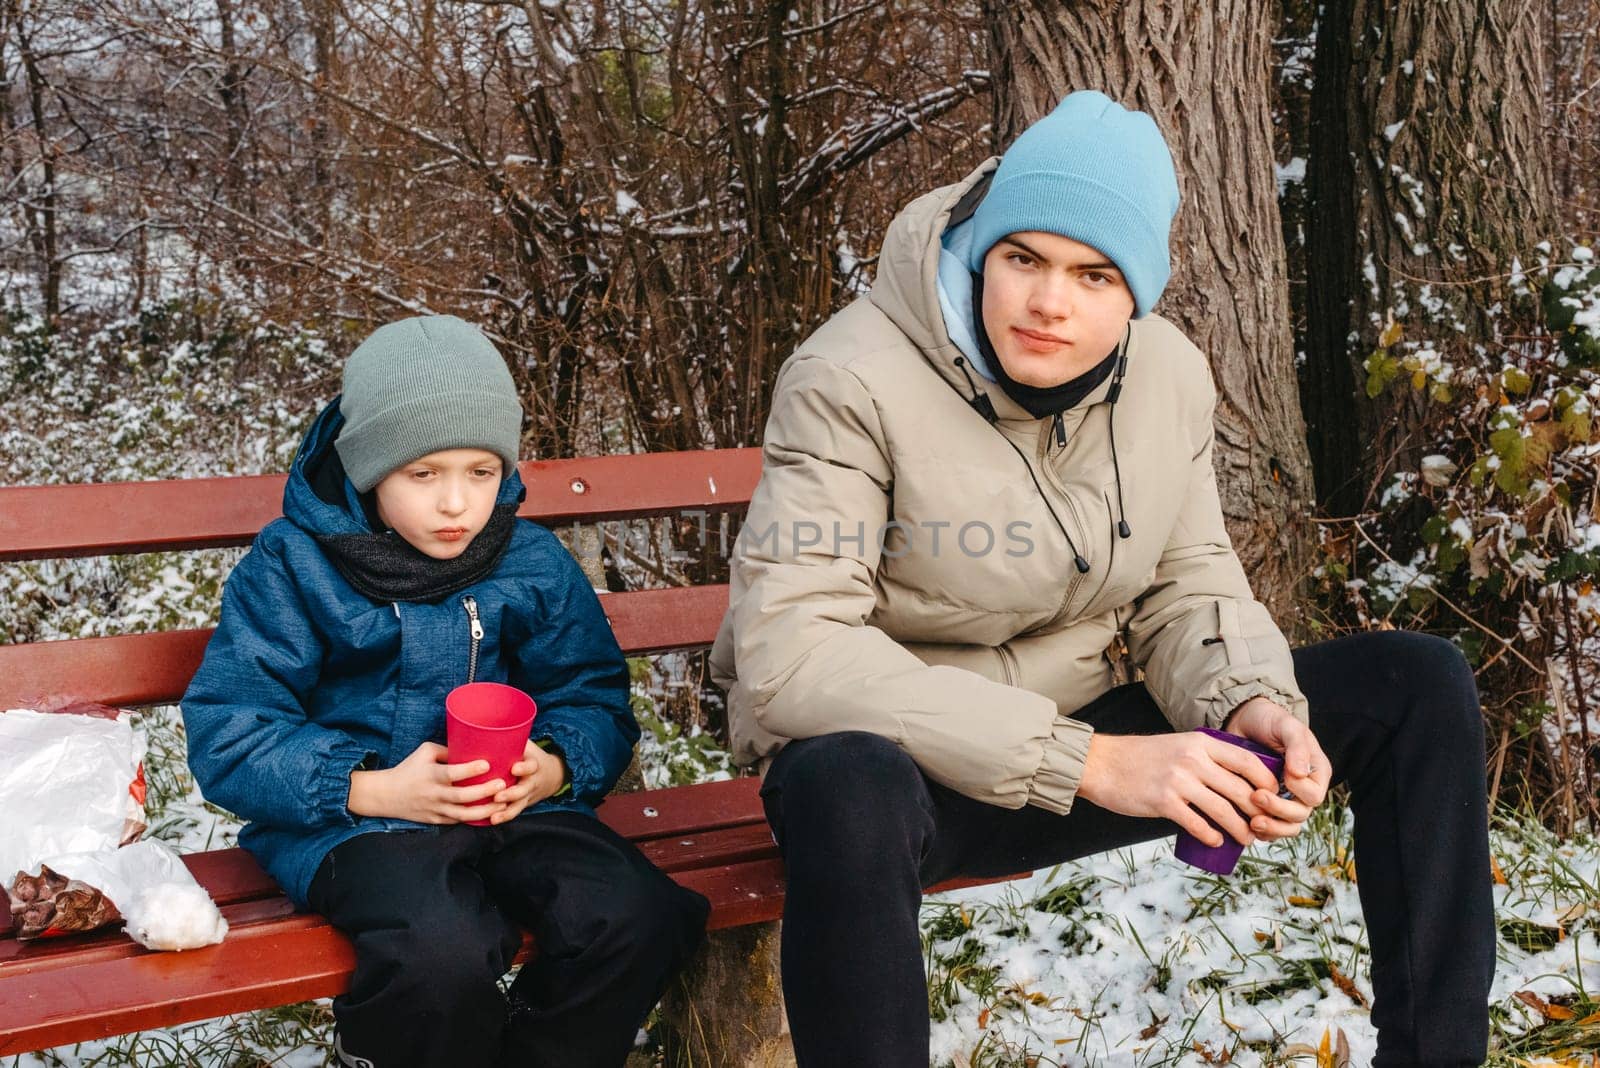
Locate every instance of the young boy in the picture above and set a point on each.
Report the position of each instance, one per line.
(398, 572)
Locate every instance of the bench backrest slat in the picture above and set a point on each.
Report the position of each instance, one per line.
(148, 669)
(46, 522)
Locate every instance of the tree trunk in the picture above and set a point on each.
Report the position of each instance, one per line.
(322, 16)
(42, 212)
(1429, 175)
(1201, 70)
(235, 111)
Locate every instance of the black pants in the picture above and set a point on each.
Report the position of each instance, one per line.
(437, 918)
(863, 831)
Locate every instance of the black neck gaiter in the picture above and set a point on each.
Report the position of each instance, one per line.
(1037, 401)
(385, 567)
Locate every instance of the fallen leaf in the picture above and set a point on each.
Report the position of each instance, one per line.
(1494, 870)
(1576, 912)
(1532, 1000)
(1341, 1049)
(1592, 1018)
(1558, 1012)
(983, 1019)
(1325, 1050)
(1346, 984)
(1308, 902)
(1155, 1025)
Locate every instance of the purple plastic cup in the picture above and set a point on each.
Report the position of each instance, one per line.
(1222, 859)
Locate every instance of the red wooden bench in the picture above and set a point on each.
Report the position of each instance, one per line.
(711, 837)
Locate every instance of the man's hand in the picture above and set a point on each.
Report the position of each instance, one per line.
(539, 774)
(1177, 777)
(421, 788)
(1306, 768)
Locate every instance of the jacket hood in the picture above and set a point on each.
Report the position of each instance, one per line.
(906, 290)
(321, 500)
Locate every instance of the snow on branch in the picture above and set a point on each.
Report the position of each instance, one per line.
(801, 31)
(859, 141)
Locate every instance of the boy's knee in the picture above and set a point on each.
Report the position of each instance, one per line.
(845, 764)
(450, 960)
(1436, 677)
(855, 798)
(638, 919)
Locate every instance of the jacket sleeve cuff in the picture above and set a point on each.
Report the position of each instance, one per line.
(330, 791)
(1055, 784)
(584, 769)
(1223, 704)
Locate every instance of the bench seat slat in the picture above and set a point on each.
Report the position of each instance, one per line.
(269, 958)
(155, 668)
(276, 961)
(48, 522)
(73, 997)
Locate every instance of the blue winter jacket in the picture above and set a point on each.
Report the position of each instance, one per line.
(306, 679)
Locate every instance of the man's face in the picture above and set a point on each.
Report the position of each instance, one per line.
(440, 502)
(1053, 307)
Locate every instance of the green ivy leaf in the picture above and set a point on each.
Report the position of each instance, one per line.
(1515, 381)
(1478, 473)
(1512, 448)
(1382, 369)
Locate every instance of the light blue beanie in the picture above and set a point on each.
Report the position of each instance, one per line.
(1093, 171)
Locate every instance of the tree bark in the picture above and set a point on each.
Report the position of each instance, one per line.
(231, 90)
(41, 212)
(1429, 174)
(1201, 70)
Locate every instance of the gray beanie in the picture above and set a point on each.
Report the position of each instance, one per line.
(421, 385)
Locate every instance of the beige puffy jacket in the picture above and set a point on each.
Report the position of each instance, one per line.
(900, 573)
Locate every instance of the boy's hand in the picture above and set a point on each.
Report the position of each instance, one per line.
(1307, 770)
(1177, 777)
(539, 774)
(421, 788)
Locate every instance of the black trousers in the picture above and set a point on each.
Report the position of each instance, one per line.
(863, 831)
(437, 918)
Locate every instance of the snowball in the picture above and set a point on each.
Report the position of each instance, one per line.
(174, 916)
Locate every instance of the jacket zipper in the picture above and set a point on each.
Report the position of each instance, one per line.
(471, 605)
(1008, 665)
(1045, 468)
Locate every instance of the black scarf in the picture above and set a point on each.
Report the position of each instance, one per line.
(386, 567)
(1037, 401)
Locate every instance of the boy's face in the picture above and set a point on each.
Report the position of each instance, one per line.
(1053, 307)
(440, 502)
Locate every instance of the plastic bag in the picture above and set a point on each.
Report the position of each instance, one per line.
(72, 789)
(51, 904)
(69, 783)
(151, 889)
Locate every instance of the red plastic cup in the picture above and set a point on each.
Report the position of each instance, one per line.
(487, 721)
(1222, 859)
